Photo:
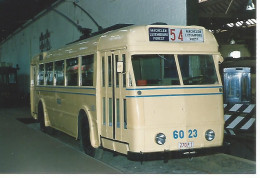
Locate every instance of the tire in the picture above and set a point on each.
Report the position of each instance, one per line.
(84, 136)
(41, 118)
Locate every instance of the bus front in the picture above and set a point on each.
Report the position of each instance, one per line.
(175, 98)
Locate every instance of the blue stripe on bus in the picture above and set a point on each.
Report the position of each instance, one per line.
(168, 88)
(63, 87)
(195, 94)
(67, 92)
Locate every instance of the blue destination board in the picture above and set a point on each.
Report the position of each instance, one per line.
(158, 34)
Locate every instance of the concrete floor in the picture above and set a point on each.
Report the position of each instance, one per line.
(26, 149)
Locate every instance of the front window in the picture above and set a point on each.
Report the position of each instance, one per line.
(161, 69)
(155, 70)
(197, 69)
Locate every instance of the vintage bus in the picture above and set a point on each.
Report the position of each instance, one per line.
(137, 89)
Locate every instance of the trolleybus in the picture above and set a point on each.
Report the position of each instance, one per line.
(138, 89)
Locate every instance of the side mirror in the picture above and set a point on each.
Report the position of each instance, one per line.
(220, 59)
(120, 67)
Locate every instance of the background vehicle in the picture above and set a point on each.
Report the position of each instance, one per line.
(8, 85)
(239, 80)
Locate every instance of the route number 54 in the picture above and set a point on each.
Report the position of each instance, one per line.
(176, 33)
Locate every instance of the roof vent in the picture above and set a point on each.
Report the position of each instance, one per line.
(159, 23)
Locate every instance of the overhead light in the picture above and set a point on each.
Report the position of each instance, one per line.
(232, 41)
(200, 1)
(235, 54)
(250, 6)
(230, 25)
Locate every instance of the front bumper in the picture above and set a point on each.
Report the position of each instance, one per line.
(166, 155)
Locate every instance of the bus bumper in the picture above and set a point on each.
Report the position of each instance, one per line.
(187, 153)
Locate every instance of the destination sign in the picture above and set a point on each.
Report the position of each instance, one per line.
(176, 35)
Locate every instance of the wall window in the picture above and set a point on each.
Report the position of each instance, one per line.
(49, 73)
(87, 70)
(72, 72)
(59, 72)
(40, 78)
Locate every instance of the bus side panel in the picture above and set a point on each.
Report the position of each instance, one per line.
(66, 108)
(134, 134)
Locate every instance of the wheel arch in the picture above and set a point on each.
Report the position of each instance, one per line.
(93, 127)
(41, 104)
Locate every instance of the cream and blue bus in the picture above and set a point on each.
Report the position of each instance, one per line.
(138, 89)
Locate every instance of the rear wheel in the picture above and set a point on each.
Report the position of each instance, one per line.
(41, 118)
(84, 136)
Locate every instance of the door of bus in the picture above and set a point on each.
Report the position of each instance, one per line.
(113, 97)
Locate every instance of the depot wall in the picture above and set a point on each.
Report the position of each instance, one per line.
(51, 30)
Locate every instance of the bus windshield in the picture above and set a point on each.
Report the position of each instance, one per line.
(161, 70)
(197, 69)
(155, 70)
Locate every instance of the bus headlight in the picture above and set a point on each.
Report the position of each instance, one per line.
(160, 138)
(210, 135)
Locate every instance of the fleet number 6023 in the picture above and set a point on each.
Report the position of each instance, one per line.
(180, 134)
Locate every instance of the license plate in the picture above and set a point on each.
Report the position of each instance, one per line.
(185, 145)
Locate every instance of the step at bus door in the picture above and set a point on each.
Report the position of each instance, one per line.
(113, 95)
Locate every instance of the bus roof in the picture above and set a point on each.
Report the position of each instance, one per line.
(140, 39)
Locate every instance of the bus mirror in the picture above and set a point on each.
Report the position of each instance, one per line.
(120, 67)
(220, 59)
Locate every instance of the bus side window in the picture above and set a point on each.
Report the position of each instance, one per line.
(117, 74)
(59, 72)
(49, 73)
(72, 72)
(103, 72)
(40, 78)
(109, 71)
(125, 114)
(87, 70)
(124, 76)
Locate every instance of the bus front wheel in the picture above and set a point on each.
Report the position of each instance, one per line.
(84, 136)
